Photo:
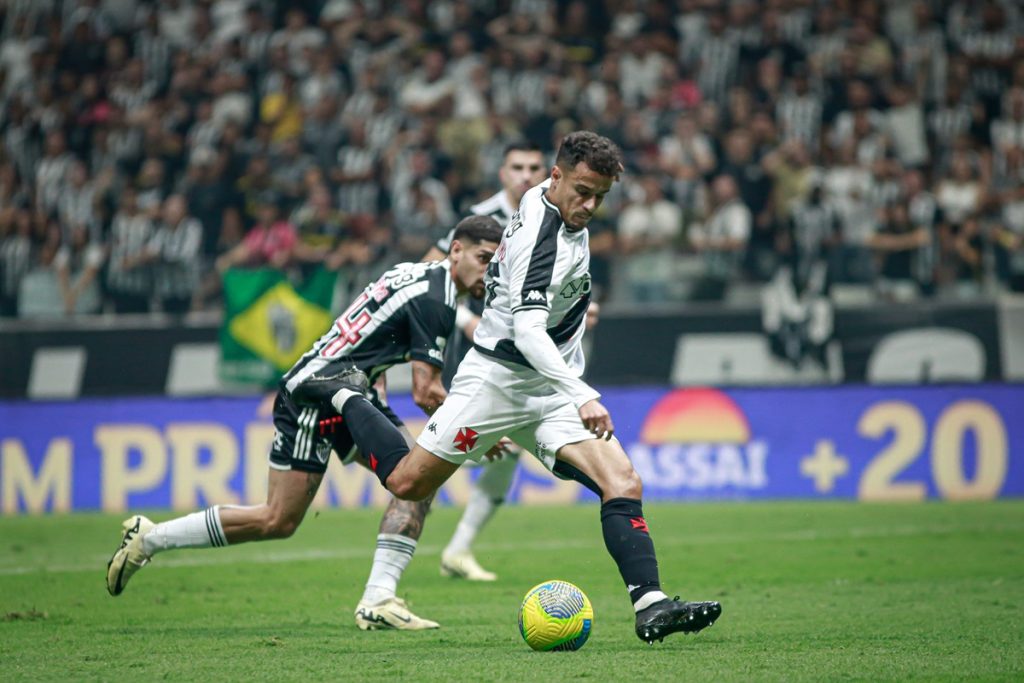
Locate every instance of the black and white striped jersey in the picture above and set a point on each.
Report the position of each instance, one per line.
(540, 264)
(407, 314)
(496, 206)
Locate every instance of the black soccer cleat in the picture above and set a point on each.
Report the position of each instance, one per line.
(318, 390)
(669, 616)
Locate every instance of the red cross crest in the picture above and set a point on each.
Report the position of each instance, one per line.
(465, 439)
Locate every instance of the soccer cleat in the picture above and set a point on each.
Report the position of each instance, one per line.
(318, 390)
(392, 613)
(464, 566)
(130, 557)
(669, 616)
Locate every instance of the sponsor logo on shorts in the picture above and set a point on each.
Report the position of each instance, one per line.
(465, 440)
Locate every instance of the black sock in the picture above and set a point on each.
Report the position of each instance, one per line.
(630, 545)
(378, 440)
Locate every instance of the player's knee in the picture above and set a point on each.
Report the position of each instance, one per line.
(626, 484)
(277, 526)
(404, 488)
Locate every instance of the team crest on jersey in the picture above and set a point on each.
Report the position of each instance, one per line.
(576, 288)
(465, 440)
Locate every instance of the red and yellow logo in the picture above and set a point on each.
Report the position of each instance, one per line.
(695, 416)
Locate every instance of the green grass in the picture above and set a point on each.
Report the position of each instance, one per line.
(810, 591)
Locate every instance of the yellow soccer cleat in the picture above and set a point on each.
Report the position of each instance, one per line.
(464, 566)
(392, 613)
(130, 557)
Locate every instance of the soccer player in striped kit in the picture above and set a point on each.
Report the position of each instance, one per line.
(405, 316)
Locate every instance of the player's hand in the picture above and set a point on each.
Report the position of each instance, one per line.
(597, 420)
(498, 450)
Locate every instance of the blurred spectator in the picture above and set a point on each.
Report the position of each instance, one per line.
(960, 193)
(898, 244)
(320, 228)
(269, 243)
(905, 126)
(39, 292)
(129, 280)
(722, 239)
(963, 257)
(812, 234)
(174, 253)
(75, 206)
(755, 190)
(800, 110)
(15, 256)
(1009, 230)
(52, 171)
(78, 266)
(281, 110)
(847, 188)
(649, 230)
(209, 195)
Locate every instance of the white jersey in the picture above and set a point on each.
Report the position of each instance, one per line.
(540, 264)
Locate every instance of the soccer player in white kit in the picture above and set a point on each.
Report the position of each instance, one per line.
(522, 380)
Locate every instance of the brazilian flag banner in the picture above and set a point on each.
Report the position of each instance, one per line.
(269, 322)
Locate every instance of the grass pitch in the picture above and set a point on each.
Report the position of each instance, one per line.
(810, 591)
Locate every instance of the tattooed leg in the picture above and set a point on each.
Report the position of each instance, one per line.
(405, 518)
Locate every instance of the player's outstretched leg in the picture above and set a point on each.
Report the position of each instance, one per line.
(289, 494)
(488, 493)
(380, 607)
(604, 467)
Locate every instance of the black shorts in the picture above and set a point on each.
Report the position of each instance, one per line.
(305, 437)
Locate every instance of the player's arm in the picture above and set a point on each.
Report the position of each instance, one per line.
(431, 322)
(530, 260)
(533, 341)
(427, 389)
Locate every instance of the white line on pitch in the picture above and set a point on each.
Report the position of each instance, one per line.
(251, 556)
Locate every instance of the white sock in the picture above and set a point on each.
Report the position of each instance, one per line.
(198, 530)
(393, 554)
(648, 599)
(339, 398)
(479, 511)
(496, 479)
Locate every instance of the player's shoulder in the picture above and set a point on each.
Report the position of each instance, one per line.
(536, 217)
(441, 286)
(489, 206)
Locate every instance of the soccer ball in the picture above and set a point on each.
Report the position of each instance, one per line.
(555, 615)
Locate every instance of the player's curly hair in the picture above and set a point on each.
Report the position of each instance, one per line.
(598, 152)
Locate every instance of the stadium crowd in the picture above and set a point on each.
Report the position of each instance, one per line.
(149, 146)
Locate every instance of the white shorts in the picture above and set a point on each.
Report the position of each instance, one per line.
(490, 399)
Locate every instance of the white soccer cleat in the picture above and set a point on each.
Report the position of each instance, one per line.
(130, 557)
(392, 613)
(464, 566)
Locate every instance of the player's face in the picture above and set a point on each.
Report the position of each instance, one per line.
(578, 192)
(521, 171)
(469, 263)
